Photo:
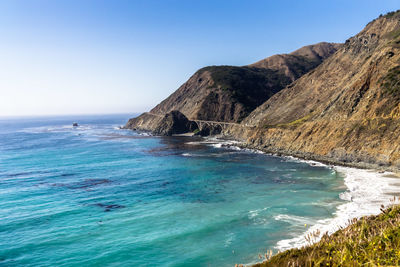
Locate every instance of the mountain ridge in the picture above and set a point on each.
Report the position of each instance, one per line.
(231, 93)
(345, 111)
(340, 111)
(314, 53)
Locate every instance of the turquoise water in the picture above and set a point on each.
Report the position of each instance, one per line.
(99, 196)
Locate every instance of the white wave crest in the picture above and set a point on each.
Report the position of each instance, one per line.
(292, 219)
(366, 192)
(309, 162)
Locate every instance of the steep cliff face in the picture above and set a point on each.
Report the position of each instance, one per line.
(229, 93)
(345, 110)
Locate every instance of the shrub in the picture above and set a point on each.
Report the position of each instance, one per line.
(369, 241)
(391, 82)
(247, 85)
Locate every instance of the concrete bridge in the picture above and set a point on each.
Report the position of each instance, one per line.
(202, 123)
(216, 124)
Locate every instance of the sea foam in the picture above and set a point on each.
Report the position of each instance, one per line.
(366, 191)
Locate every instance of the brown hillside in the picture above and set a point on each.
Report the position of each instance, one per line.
(292, 64)
(345, 110)
(229, 93)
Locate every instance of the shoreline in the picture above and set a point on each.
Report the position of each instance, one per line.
(359, 195)
(367, 189)
(326, 159)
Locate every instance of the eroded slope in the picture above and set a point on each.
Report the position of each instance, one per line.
(345, 110)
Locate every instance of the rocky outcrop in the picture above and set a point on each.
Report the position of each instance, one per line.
(229, 93)
(174, 122)
(347, 110)
(145, 122)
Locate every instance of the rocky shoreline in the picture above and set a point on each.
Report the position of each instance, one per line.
(345, 110)
(325, 159)
(360, 168)
(365, 176)
(341, 110)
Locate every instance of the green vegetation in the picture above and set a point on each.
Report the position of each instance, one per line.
(369, 241)
(395, 34)
(391, 82)
(394, 38)
(249, 86)
(295, 122)
(300, 65)
(252, 86)
(391, 14)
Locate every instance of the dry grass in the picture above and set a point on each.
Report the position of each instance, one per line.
(369, 241)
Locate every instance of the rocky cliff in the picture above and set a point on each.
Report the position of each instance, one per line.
(229, 93)
(343, 110)
(346, 110)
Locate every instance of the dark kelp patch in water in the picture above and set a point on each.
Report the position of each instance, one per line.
(173, 145)
(109, 207)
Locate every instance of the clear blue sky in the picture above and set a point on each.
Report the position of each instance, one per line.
(86, 56)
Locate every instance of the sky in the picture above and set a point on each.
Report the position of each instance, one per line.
(120, 56)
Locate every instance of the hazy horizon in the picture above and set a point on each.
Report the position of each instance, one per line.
(66, 115)
(102, 57)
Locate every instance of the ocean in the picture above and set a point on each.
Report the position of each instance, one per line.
(96, 195)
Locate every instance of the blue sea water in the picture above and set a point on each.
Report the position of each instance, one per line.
(96, 195)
